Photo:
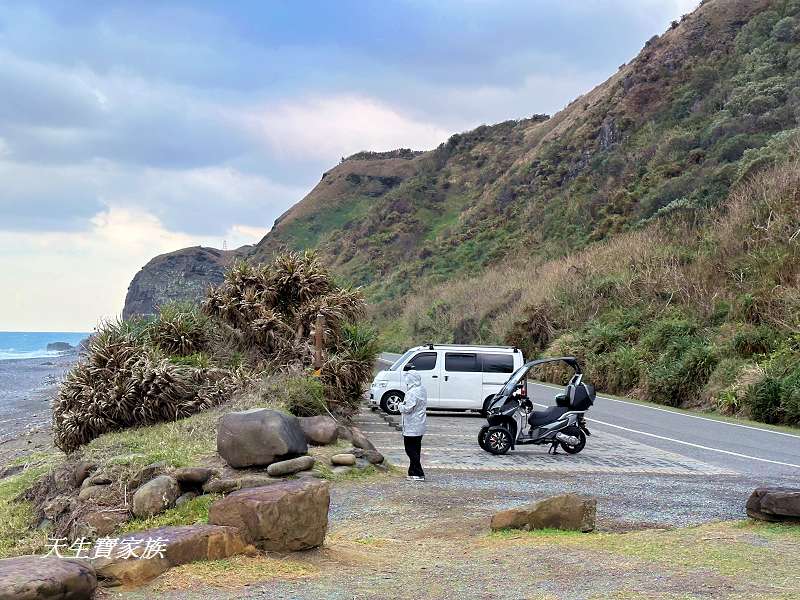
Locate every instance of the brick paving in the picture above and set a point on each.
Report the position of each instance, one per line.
(452, 443)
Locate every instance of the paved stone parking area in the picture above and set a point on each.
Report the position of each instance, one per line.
(452, 443)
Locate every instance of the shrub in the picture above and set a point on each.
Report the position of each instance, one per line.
(179, 329)
(621, 370)
(304, 396)
(720, 391)
(122, 383)
(764, 400)
(750, 340)
(679, 374)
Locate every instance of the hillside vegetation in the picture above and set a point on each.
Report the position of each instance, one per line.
(632, 228)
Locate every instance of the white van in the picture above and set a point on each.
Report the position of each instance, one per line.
(456, 377)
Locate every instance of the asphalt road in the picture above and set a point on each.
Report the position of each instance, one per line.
(768, 455)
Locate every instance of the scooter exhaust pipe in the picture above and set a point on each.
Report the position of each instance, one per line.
(569, 440)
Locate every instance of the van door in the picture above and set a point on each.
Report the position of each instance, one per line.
(497, 368)
(462, 381)
(427, 365)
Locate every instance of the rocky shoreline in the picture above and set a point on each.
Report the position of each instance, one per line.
(27, 387)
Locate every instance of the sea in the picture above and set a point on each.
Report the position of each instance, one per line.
(15, 345)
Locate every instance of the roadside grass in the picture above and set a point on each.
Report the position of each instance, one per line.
(193, 512)
(762, 553)
(235, 572)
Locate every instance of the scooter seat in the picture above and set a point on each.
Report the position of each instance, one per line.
(542, 417)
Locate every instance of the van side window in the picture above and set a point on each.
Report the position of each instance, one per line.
(498, 363)
(424, 361)
(466, 363)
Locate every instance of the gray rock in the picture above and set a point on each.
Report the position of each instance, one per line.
(101, 494)
(97, 523)
(362, 463)
(155, 496)
(341, 470)
(374, 457)
(285, 517)
(343, 460)
(360, 440)
(46, 578)
(193, 476)
(59, 347)
(320, 430)
(566, 511)
(259, 437)
(224, 485)
(82, 471)
(184, 498)
(291, 466)
(309, 474)
(774, 504)
(146, 473)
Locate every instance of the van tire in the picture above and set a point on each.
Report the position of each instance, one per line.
(390, 401)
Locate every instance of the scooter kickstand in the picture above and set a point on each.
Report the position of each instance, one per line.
(553, 449)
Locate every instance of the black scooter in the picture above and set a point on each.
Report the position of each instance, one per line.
(512, 419)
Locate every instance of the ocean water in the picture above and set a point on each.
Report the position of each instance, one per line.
(33, 344)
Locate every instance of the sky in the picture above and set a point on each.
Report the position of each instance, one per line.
(130, 129)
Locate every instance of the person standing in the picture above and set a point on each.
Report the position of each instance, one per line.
(414, 419)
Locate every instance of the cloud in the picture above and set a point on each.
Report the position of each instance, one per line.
(329, 126)
(67, 281)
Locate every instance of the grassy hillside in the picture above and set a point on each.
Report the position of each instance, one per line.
(701, 107)
(626, 228)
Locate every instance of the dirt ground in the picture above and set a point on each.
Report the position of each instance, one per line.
(395, 539)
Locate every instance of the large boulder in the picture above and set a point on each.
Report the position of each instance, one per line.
(291, 466)
(259, 437)
(46, 578)
(155, 496)
(320, 430)
(774, 504)
(356, 436)
(176, 546)
(567, 511)
(284, 517)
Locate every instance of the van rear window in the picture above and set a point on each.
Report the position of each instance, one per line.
(465, 363)
(498, 363)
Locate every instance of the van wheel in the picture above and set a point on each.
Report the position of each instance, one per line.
(390, 403)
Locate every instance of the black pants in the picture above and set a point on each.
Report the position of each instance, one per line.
(413, 446)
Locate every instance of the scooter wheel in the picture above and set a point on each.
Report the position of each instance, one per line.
(498, 440)
(577, 447)
(482, 437)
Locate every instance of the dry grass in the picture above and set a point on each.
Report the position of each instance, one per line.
(235, 572)
(664, 263)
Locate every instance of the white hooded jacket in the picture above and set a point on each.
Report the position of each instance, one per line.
(414, 405)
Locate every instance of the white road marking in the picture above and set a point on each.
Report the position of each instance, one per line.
(693, 445)
(682, 414)
(700, 446)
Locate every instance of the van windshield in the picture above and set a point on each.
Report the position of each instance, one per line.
(401, 360)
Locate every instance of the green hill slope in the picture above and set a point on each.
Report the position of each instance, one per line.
(452, 244)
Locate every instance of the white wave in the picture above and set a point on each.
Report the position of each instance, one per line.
(11, 354)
